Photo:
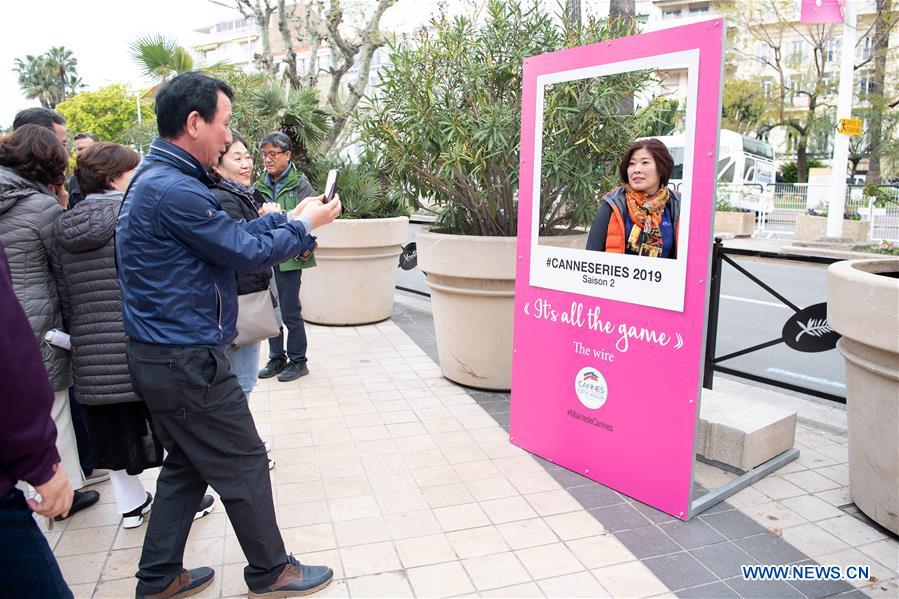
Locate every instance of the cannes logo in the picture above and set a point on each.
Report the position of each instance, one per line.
(590, 387)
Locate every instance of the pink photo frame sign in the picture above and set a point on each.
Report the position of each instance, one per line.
(606, 379)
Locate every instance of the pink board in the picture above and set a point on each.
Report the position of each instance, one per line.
(606, 381)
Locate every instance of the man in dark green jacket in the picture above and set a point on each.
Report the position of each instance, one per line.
(286, 186)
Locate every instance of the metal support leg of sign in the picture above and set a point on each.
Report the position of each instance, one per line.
(716, 496)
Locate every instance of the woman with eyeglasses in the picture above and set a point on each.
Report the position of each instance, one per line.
(234, 190)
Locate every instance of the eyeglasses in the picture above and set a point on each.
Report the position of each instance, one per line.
(272, 155)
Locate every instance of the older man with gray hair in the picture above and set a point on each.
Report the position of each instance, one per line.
(286, 186)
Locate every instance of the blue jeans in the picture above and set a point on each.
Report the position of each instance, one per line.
(27, 566)
(245, 366)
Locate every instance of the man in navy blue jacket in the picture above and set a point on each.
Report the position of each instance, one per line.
(27, 452)
(178, 253)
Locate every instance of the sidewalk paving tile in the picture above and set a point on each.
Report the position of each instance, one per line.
(764, 589)
(581, 584)
(811, 508)
(495, 571)
(724, 559)
(733, 524)
(851, 530)
(407, 485)
(574, 525)
(692, 534)
(527, 533)
(600, 551)
(440, 580)
(422, 551)
(632, 579)
(621, 516)
(647, 542)
(476, 542)
(813, 540)
(547, 561)
(680, 570)
(716, 590)
(375, 558)
(389, 584)
(522, 591)
(770, 549)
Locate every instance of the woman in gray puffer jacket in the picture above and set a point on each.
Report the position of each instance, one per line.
(119, 426)
(32, 163)
(118, 423)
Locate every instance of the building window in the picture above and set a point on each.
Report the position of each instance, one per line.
(792, 87)
(671, 14)
(766, 86)
(699, 8)
(867, 47)
(864, 86)
(796, 48)
(831, 50)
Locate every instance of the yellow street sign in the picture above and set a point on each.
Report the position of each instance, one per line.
(850, 126)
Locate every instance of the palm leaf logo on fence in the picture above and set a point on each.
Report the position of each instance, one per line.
(816, 327)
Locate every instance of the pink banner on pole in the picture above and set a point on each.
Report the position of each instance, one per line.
(609, 347)
(813, 12)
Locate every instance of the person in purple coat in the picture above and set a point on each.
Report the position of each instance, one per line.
(27, 452)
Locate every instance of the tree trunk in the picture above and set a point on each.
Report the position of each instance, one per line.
(261, 13)
(875, 120)
(573, 12)
(623, 9)
(801, 158)
(290, 57)
(363, 49)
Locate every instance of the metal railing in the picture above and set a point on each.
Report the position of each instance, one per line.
(778, 206)
(713, 362)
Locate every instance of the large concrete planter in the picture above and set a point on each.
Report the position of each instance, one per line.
(812, 228)
(863, 306)
(355, 276)
(738, 224)
(472, 282)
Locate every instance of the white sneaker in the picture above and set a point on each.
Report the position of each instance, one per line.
(135, 517)
(206, 506)
(268, 446)
(271, 464)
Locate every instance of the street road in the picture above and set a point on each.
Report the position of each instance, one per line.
(749, 315)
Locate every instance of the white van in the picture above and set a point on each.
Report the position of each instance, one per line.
(745, 167)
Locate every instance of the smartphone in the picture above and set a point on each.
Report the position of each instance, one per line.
(331, 185)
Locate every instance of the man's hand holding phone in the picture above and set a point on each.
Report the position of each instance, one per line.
(316, 211)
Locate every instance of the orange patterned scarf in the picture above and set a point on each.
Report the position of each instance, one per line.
(645, 239)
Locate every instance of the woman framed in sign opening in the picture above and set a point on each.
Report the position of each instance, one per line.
(641, 216)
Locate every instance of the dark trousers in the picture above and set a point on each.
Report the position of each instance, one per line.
(202, 419)
(27, 566)
(81, 437)
(288, 283)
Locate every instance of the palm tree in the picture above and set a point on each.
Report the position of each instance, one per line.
(50, 77)
(161, 58)
(297, 113)
(35, 81)
(62, 66)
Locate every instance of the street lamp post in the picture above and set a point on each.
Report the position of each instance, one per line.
(844, 111)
